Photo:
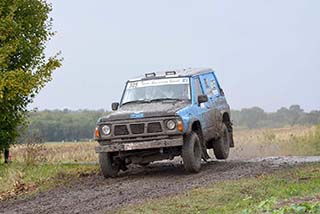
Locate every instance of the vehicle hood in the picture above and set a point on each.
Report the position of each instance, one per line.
(145, 110)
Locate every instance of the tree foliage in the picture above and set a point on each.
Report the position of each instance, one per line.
(62, 125)
(25, 27)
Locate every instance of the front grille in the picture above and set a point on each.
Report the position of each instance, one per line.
(154, 128)
(121, 130)
(137, 128)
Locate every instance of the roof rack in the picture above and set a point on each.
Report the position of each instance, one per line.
(150, 75)
(171, 73)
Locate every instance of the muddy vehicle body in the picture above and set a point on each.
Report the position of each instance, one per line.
(163, 115)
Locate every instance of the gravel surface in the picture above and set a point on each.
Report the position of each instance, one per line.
(94, 194)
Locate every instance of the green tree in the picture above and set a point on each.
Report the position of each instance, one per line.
(25, 27)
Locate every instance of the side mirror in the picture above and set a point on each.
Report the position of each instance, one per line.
(115, 106)
(202, 99)
(221, 92)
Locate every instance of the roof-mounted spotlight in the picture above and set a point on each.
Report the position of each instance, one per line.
(150, 75)
(168, 73)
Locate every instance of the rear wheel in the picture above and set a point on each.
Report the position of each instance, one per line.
(222, 146)
(191, 153)
(108, 166)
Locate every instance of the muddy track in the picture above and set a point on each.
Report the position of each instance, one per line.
(94, 194)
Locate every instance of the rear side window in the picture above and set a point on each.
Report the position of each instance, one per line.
(209, 85)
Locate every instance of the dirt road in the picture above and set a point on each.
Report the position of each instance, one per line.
(94, 194)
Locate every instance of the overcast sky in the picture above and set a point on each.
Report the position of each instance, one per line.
(265, 52)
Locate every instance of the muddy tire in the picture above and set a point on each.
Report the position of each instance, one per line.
(191, 153)
(108, 166)
(222, 146)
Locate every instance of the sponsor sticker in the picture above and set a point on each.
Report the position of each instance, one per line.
(137, 115)
(158, 82)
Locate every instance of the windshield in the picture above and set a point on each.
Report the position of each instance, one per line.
(157, 89)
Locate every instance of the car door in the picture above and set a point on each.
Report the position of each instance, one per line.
(213, 117)
(199, 110)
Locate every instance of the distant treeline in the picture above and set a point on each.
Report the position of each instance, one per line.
(62, 125)
(257, 118)
(67, 125)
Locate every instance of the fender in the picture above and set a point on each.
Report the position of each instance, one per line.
(193, 120)
(205, 155)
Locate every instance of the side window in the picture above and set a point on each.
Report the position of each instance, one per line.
(209, 85)
(208, 88)
(197, 88)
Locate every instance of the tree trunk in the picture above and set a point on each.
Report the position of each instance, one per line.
(6, 156)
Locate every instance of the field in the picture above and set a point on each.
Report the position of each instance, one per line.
(59, 152)
(291, 141)
(45, 168)
(249, 144)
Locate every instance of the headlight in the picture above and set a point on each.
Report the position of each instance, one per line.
(106, 130)
(171, 125)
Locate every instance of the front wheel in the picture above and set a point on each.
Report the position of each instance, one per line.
(191, 153)
(108, 166)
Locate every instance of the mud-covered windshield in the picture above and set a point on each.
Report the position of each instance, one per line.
(157, 89)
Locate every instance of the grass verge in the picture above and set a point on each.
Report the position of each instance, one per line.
(308, 144)
(19, 179)
(266, 194)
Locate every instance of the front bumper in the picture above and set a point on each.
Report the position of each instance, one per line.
(153, 144)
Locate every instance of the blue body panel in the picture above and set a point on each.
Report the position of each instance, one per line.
(209, 114)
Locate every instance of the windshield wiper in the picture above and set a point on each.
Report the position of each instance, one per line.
(136, 101)
(163, 99)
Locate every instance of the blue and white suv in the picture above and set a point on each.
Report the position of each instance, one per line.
(163, 115)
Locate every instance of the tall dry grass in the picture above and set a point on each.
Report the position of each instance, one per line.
(60, 152)
(291, 141)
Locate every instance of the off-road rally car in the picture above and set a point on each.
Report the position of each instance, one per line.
(163, 115)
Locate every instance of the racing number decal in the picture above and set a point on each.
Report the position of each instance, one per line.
(133, 85)
(214, 88)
